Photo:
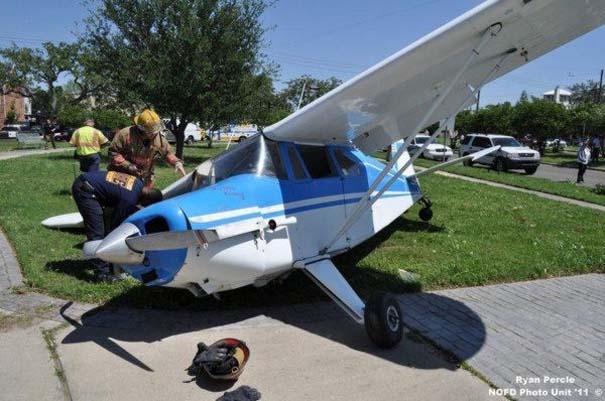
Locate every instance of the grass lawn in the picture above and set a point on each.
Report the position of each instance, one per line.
(521, 180)
(479, 235)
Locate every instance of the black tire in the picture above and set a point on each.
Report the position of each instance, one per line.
(383, 320)
(531, 170)
(242, 139)
(425, 214)
(189, 140)
(467, 163)
(499, 165)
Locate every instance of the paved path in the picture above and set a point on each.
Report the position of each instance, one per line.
(26, 370)
(553, 328)
(13, 154)
(527, 191)
(10, 273)
(304, 352)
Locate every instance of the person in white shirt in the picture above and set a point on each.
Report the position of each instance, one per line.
(583, 160)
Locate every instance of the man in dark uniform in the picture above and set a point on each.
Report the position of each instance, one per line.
(96, 190)
(49, 133)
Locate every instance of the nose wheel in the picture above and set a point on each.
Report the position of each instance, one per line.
(426, 213)
(383, 320)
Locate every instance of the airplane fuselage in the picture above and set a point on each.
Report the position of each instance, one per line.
(315, 199)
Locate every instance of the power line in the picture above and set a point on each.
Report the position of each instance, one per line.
(357, 23)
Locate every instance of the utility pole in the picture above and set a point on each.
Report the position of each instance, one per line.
(302, 94)
(478, 100)
(600, 99)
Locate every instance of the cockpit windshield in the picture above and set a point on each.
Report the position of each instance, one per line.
(256, 155)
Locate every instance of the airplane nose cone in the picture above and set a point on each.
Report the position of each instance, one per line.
(114, 249)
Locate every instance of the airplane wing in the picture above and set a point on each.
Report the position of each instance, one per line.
(386, 102)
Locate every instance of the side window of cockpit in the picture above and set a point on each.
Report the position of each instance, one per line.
(297, 167)
(278, 165)
(348, 166)
(317, 161)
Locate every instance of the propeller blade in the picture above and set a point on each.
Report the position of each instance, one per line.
(166, 241)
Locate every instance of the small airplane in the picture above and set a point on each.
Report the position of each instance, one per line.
(304, 190)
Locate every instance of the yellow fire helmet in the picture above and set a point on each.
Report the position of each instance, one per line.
(149, 122)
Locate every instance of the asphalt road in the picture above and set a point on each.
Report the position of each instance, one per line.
(553, 173)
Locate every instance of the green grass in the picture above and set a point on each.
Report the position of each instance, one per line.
(521, 180)
(479, 235)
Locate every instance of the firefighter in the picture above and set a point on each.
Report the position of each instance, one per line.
(98, 190)
(135, 149)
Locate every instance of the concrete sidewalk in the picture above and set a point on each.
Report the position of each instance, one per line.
(318, 354)
(544, 195)
(13, 154)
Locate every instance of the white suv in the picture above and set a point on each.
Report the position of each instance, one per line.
(512, 155)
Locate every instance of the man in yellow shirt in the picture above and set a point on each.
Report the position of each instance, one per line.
(88, 142)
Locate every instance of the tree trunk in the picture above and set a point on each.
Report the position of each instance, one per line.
(53, 99)
(541, 147)
(179, 134)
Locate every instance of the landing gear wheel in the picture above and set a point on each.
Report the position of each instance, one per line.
(468, 162)
(425, 214)
(383, 320)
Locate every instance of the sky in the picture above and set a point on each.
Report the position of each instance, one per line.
(340, 38)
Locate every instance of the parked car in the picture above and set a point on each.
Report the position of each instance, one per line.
(193, 133)
(511, 156)
(556, 143)
(63, 134)
(11, 130)
(240, 132)
(434, 151)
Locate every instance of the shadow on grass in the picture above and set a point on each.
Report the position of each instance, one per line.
(62, 192)
(80, 269)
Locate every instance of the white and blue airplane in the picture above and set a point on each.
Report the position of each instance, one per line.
(304, 189)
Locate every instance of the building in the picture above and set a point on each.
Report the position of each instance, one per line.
(22, 107)
(559, 96)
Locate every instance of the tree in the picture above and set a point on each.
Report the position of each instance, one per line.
(34, 68)
(541, 119)
(11, 114)
(192, 60)
(584, 92)
(497, 119)
(314, 88)
(587, 119)
(105, 118)
(524, 97)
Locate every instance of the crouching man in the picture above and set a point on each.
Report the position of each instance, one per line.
(94, 191)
